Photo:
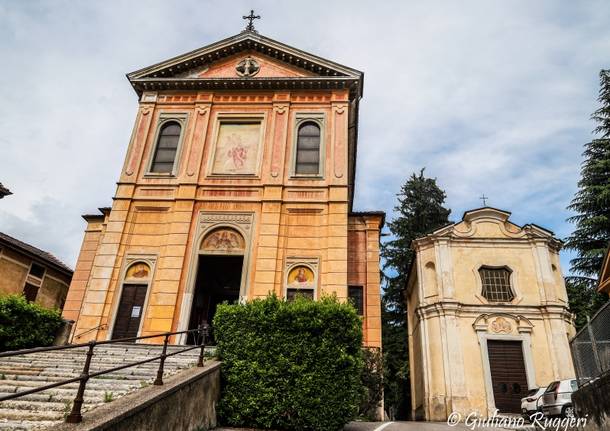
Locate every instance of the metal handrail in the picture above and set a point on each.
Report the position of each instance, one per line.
(80, 334)
(75, 415)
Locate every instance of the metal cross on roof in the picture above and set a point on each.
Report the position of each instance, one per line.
(251, 18)
(484, 199)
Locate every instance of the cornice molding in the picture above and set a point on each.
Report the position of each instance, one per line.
(458, 309)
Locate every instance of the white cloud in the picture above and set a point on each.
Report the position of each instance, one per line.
(491, 97)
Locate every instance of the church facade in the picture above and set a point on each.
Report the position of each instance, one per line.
(488, 316)
(238, 182)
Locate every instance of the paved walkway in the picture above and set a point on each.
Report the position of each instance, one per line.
(409, 426)
(394, 426)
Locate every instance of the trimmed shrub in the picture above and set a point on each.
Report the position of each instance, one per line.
(25, 324)
(289, 365)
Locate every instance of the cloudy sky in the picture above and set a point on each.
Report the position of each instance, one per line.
(489, 96)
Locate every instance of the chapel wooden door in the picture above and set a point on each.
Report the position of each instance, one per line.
(130, 311)
(508, 375)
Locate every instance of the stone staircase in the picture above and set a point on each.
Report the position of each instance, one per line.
(42, 409)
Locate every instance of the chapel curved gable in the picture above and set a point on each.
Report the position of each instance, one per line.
(491, 223)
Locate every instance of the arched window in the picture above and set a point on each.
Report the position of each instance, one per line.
(131, 306)
(301, 281)
(165, 150)
(496, 284)
(308, 149)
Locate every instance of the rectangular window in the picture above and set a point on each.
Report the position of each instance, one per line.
(37, 270)
(356, 297)
(496, 284)
(30, 292)
(291, 294)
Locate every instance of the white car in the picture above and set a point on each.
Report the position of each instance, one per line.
(532, 403)
(557, 399)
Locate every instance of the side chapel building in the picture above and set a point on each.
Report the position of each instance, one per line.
(238, 182)
(488, 316)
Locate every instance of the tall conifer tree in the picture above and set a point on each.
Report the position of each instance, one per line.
(420, 210)
(592, 207)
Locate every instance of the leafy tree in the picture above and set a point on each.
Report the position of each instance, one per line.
(592, 220)
(420, 210)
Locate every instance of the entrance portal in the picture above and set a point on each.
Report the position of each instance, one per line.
(218, 280)
(508, 375)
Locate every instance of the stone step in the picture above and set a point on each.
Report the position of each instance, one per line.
(61, 398)
(24, 425)
(42, 409)
(19, 404)
(99, 384)
(92, 383)
(31, 415)
(64, 392)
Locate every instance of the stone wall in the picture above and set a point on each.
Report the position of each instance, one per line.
(187, 401)
(363, 270)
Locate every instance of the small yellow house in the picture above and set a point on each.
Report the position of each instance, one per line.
(488, 316)
(36, 274)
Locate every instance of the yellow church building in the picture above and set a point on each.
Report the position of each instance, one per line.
(238, 182)
(488, 316)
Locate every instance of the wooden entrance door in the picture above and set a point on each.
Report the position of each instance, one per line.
(130, 311)
(507, 374)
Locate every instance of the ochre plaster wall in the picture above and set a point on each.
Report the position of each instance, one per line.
(157, 216)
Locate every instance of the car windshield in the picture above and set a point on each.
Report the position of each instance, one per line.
(532, 392)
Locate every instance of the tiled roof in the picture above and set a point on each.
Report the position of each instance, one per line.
(370, 213)
(34, 252)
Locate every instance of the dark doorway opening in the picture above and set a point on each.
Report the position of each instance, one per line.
(218, 280)
(508, 374)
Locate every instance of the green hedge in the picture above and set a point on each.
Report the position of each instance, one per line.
(289, 365)
(25, 324)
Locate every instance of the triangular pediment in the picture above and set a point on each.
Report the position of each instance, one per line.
(245, 61)
(267, 67)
